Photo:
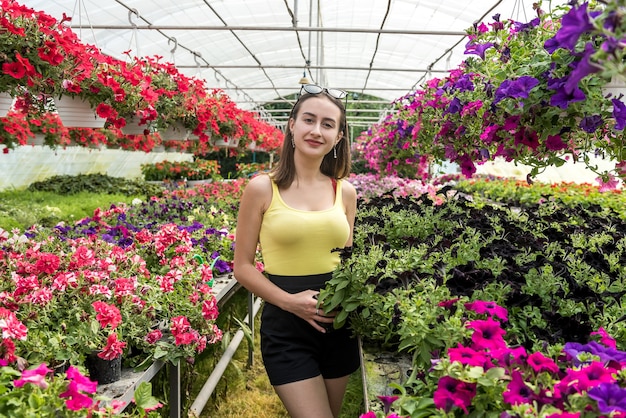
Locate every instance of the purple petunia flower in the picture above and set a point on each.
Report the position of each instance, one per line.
(619, 113)
(573, 24)
(582, 69)
(590, 124)
(477, 49)
(464, 83)
(455, 106)
(610, 397)
(562, 99)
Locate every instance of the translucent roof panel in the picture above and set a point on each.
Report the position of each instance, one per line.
(257, 50)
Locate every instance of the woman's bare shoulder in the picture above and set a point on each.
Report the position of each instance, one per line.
(260, 185)
(348, 188)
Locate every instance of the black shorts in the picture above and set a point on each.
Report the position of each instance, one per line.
(293, 350)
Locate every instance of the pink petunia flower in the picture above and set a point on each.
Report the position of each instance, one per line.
(451, 392)
(517, 392)
(113, 349)
(490, 308)
(36, 376)
(487, 334)
(107, 315)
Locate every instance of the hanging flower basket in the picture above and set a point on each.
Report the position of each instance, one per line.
(133, 127)
(226, 143)
(38, 139)
(176, 132)
(77, 113)
(6, 101)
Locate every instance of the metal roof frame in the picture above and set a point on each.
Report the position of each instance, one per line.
(257, 50)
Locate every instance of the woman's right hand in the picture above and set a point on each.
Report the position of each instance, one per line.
(306, 306)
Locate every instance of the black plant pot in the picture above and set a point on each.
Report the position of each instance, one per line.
(104, 371)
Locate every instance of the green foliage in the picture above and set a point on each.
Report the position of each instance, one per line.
(68, 198)
(94, 183)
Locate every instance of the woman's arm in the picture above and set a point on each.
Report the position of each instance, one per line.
(349, 201)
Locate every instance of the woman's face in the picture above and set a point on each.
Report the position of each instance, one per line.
(315, 129)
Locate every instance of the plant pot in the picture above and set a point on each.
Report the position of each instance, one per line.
(226, 143)
(104, 371)
(77, 113)
(132, 127)
(176, 132)
(38, 139)
(193, 183)
(616, 87)
(6, 101)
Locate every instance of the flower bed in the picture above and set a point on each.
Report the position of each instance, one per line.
(181, 170)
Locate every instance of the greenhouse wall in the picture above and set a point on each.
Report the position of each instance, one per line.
(27, 164)
(571, 172)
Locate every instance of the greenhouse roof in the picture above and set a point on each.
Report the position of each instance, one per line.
(258, 50)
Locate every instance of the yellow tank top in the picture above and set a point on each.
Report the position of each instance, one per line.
(298, 242)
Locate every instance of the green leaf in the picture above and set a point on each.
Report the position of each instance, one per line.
(144, 398)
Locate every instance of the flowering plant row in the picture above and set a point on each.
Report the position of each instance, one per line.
(483, 374)
(134, 278)
(181, 170)
(528, 92)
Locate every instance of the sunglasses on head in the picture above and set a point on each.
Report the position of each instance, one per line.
(315, 89)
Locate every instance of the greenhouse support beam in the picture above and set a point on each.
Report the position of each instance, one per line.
(321, 67)
(210, 384)
(273, 29)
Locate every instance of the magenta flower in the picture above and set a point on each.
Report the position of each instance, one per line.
(605, 339)
(451, 392)
(36, 376)
(541, 363)
(469, 356)
(387, 401)
(83, 383)
(555, 143)
(506, 357)
(76, 400)
(487, 334)
(368, 414)
(579, 380)
(517, 392)
(488, 307)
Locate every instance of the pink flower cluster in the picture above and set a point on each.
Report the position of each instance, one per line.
(535, 381)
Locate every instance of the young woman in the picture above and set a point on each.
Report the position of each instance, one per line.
(300, 214)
